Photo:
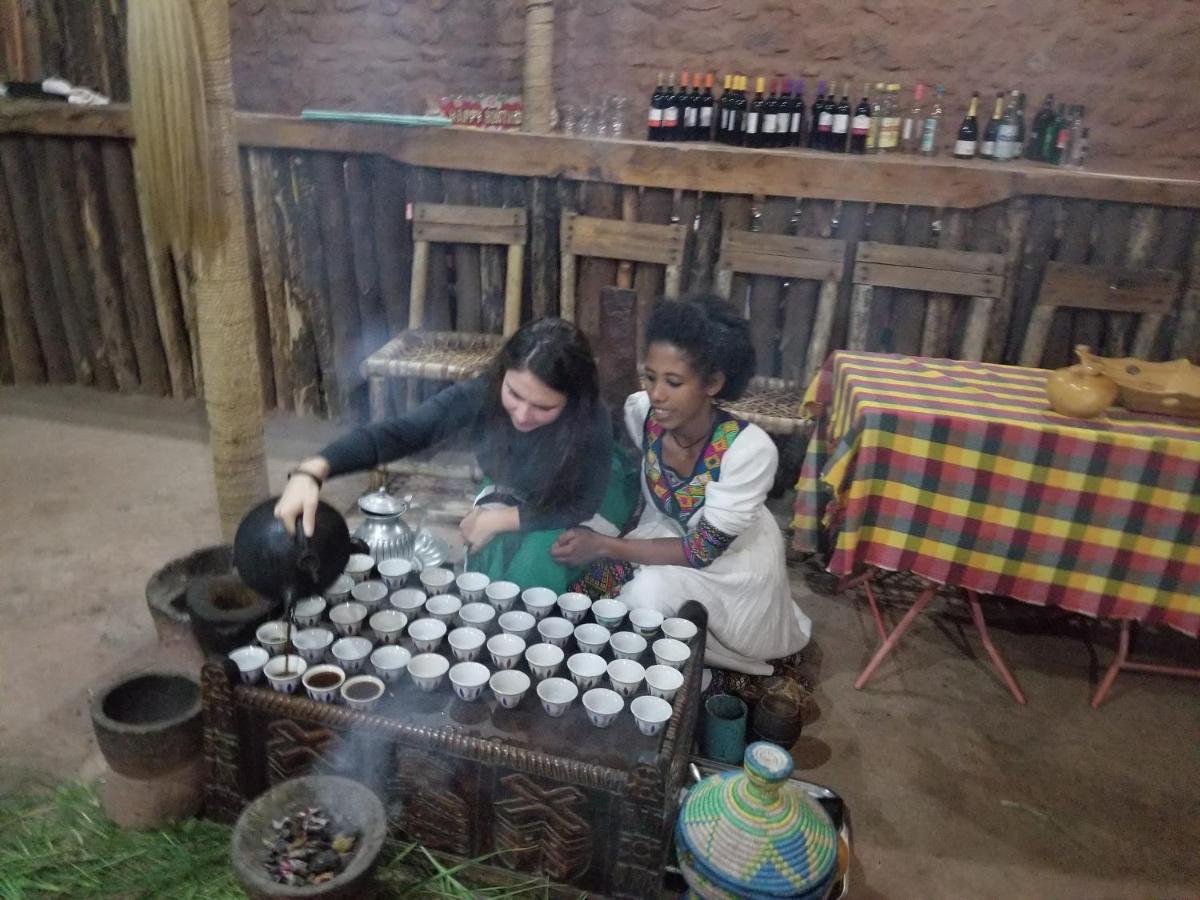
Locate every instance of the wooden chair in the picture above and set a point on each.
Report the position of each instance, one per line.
(619, 240)
(1148, 292)
(448, 355)
(943, 273)
(775, 404)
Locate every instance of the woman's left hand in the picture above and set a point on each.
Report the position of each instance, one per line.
(481, 525)
(578, 547)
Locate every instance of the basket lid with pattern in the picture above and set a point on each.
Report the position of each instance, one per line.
(752, 832)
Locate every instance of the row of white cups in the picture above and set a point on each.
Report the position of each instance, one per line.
(355, 602)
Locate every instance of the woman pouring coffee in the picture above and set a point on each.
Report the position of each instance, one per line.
(541, 436)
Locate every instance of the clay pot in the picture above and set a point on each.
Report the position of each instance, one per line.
(148, 724)
(1081, 390)
(352, 804)
(286, 567)
(225, 612)
(166, 591)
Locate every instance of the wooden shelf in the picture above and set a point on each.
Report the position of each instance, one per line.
(940, 182)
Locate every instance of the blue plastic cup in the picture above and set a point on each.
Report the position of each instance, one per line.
(724, 735)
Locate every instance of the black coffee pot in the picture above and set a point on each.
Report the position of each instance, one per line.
(286, 567)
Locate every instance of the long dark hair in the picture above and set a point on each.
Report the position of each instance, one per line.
(711, 334)
(560, 356)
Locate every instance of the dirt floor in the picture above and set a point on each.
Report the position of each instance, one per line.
(954, 790)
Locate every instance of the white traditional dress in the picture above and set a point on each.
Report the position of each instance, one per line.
(737, 568)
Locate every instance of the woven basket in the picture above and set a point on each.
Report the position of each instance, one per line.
(433, 355)
(773, 404)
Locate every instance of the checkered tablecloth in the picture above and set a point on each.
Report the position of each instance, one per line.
(961, 473)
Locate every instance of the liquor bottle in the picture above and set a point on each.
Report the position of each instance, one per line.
(910, 128)
(705, 129)
(968, 132)
(796, 127)
(1008, 139)
(1045, 115)
(783, 115)
(815, 137)
(1056, 130)
(988, 150)
(841, 121)
(770, 116)
(861, 126)
(889, 130)
(1074, 135)
(689, 114)
(679, 132)
(933, 124)
(656, 111)
(877, 102)
(1020, 125)
(737, 129)
(670, 120)
(754, 115)
(1079, 151)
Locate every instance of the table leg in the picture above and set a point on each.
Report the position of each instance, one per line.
(894, 638)
(997, 660)
(1111, 675)
(848, 583)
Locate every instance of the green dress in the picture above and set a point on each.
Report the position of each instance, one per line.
(524, 557)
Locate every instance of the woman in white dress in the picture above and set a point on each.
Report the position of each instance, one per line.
(705, 533)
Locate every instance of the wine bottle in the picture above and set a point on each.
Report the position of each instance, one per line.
(877, 102)
(737, 130)
(1054, 128)
(814, 118)
(825, 122)
(705, 129)
(968, 132)
(770, 110)
(723, 110)
(656, 111)
(910, 128)
(889, 130)
(754, 115)
(861, 126)
(841, 121)
(933, 123)
(670, 119)
(783, 115)
(796, 126)
(689, 115)
(988, 150)
(1041, 122)
(1008, 137)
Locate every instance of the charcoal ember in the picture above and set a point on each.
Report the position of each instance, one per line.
(308, 848)
(326, 861)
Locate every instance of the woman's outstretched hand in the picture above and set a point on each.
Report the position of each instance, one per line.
(578, 547)
(301, 494)
(482, 524)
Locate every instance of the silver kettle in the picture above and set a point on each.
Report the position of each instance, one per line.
(383, 529)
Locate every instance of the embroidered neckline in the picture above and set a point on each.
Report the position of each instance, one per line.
(681, 501)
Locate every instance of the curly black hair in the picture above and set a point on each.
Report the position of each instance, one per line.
(712, 336)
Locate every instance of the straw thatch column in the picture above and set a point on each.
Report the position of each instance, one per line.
(538, 114)
(224, 305)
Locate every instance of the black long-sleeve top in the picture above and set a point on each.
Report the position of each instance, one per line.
(457, 412)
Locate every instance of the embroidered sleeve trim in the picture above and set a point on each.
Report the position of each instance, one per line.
(704, 543)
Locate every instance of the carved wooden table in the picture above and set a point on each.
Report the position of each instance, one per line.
(589, 807)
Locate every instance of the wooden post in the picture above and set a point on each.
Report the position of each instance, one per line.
(1090, 326)
(849, 221)
(566, 256)
(653, 206)
(908, 307)
(20, 328)
(766, 291)
(1016, 223)
(538, 113)
(706, 243)
(544, 214)
(302, 358)
(1186, 342)
(513, 278)
(1170, 252)
(270, 260)
(361, 208)
(463, 190)
(258, 289)
(629, 213)
(393, 241)
(939, 312)
(1144, 231)
(1034, 253)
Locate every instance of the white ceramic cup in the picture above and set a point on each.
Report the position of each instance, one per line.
(250, 661)
(645, 622)
(388, 625)
(670, 652)
(587, 670)
(436, 580)
(362, 692)
(555, 630)
(557, 695)
(410, 601)
(502, 595)
(427, 634)
(591, 638)
(519, 623)
(468, 679)
(505, 650)
(272, 636)
(544, 660)
(443, 607)
(324, 693)
(574, 606)
(284, 672)
(390, 661)
(471, 586)
(351, 653)
(370, 593)
(312, 644)
(348, 618)
(626, 676)
(651, 713)
(663, 682)
(509, 686)
(539, 601)
(359, 566)
(394, 572)
(466, 643)
(427, 670)
(627, 645)
(602, 706)
(679, 629)
(477, 615)
(308, 611)
(609, 612)
(339, 591)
